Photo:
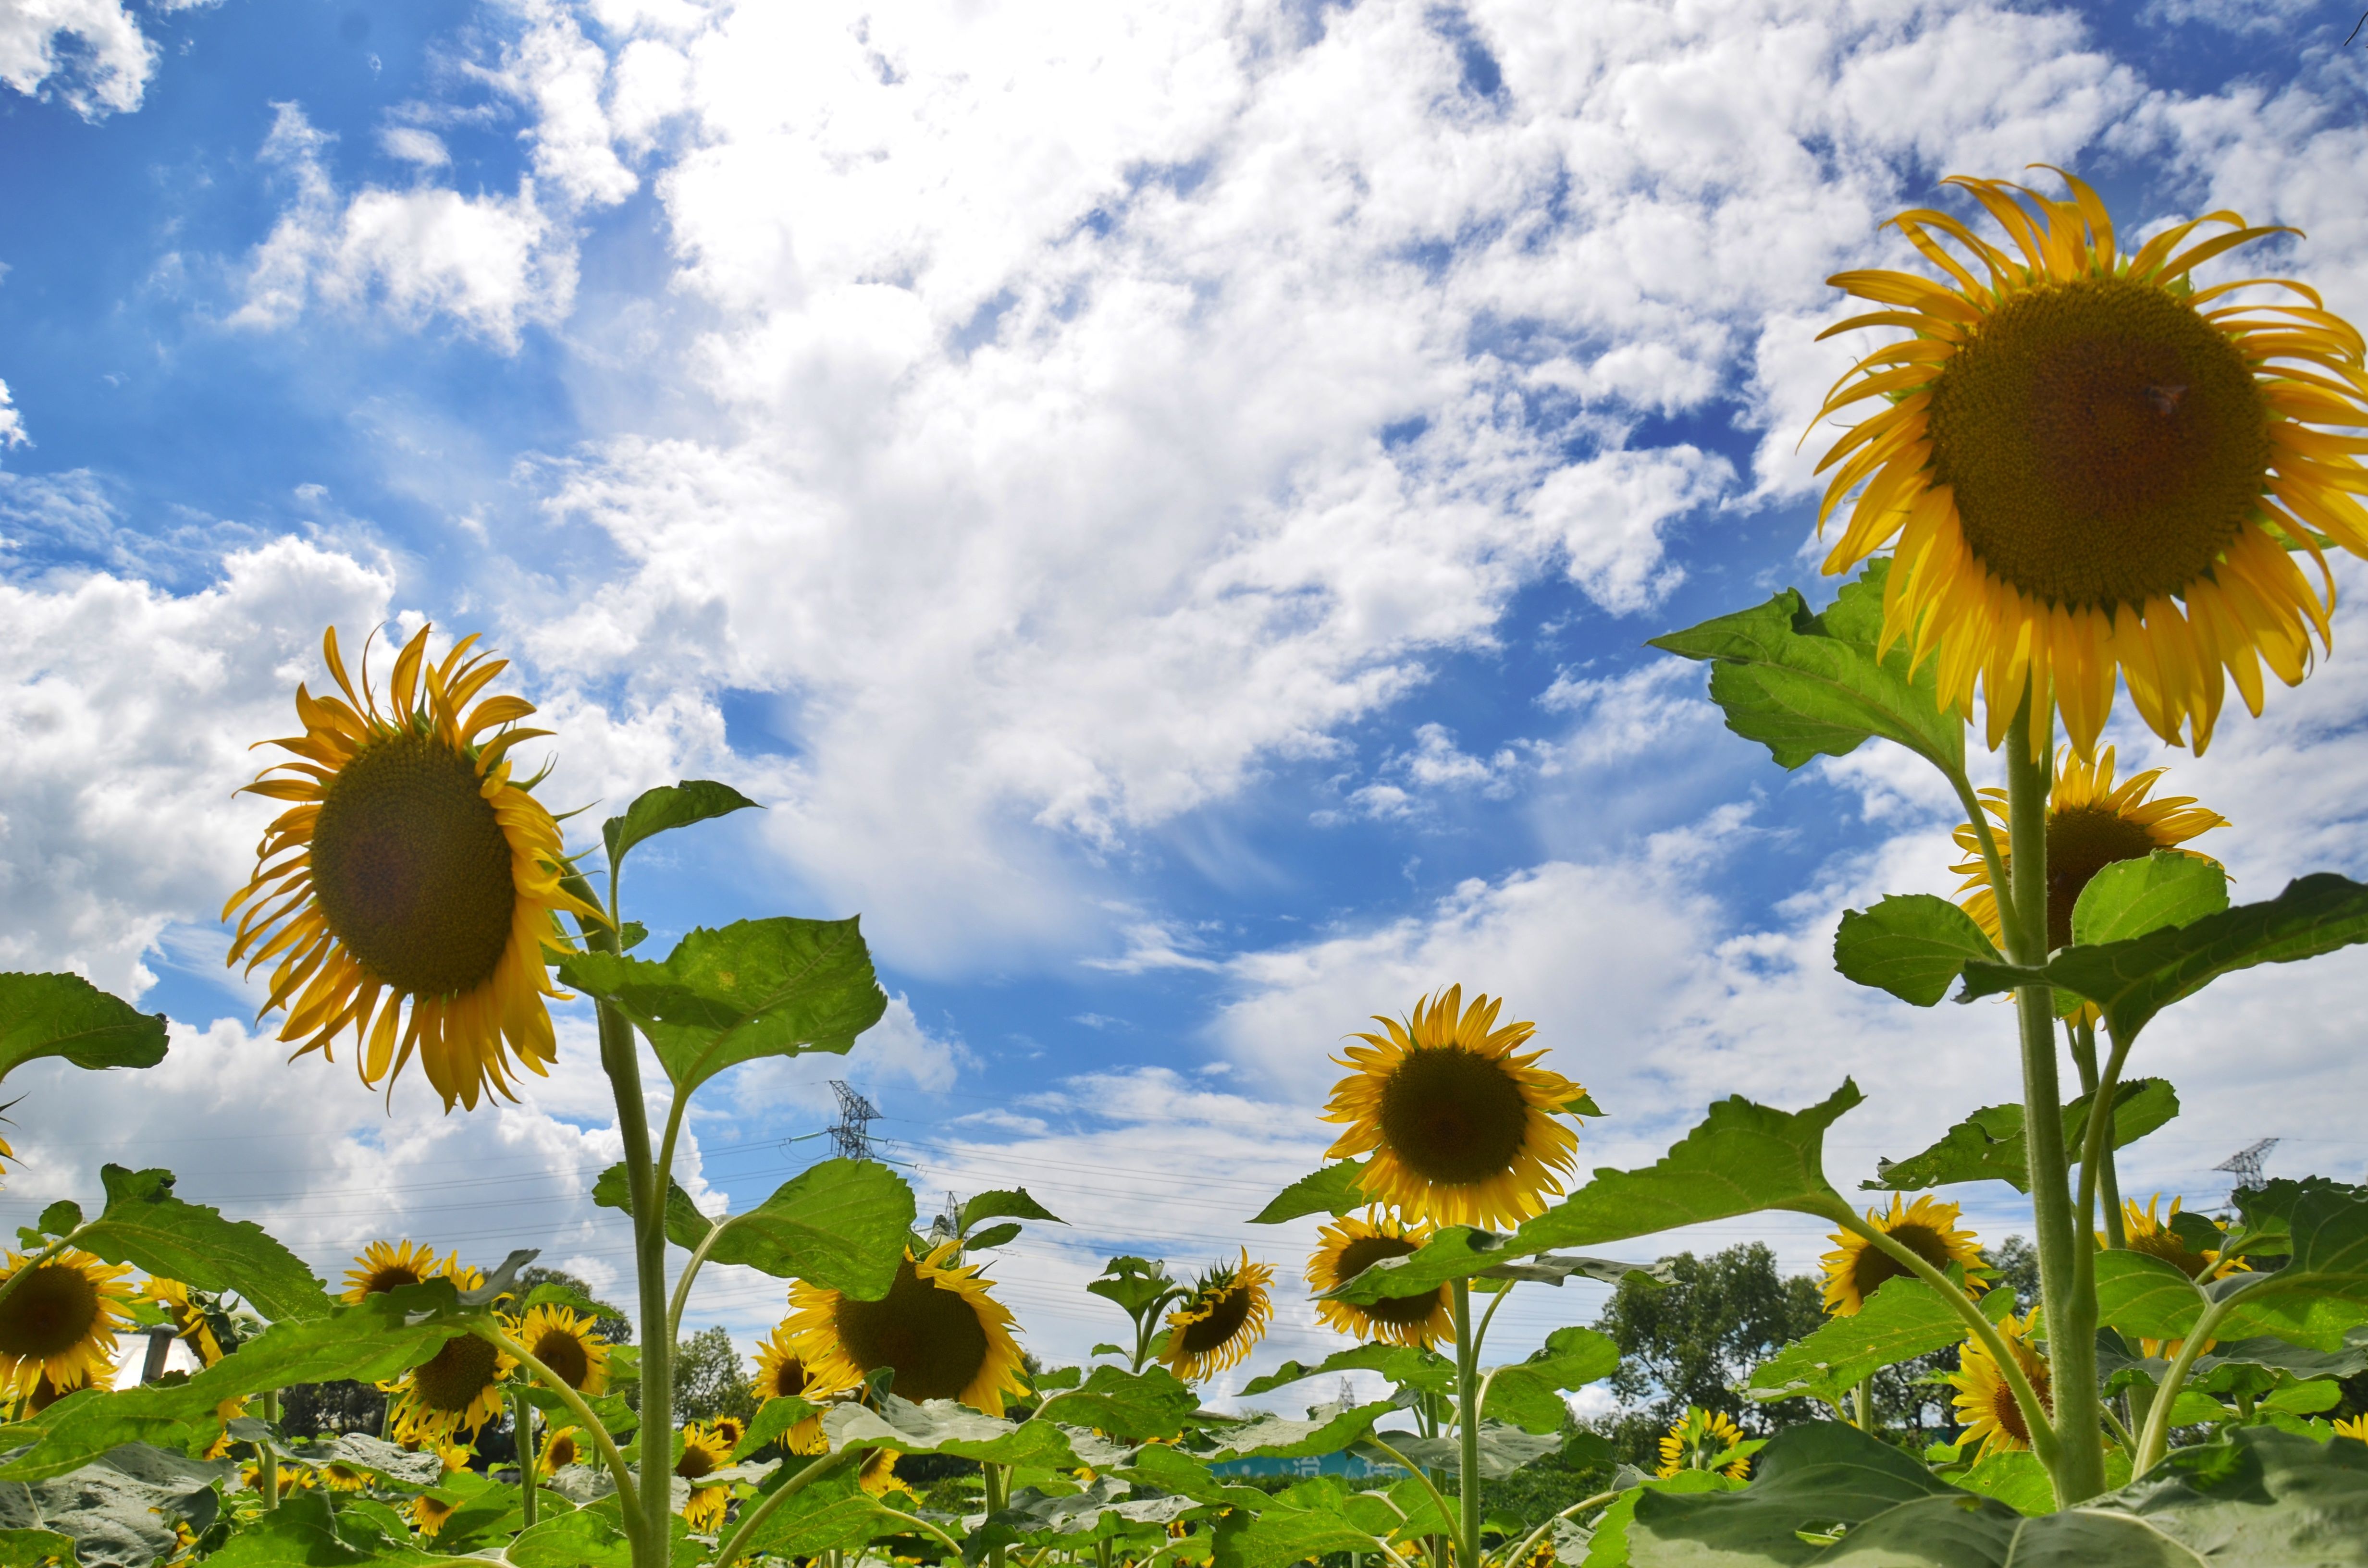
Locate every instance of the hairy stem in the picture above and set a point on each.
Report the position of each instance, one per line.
(267, 1460)
(737, 1541)
(1582, 1505)
(2156, 1436)
(522, 1436)
(1467, 1425)
(618, 1470)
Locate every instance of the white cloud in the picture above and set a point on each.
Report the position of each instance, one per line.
(103, 70)
(492, 263)
(413, 145)
(12, 422)
(562, 75)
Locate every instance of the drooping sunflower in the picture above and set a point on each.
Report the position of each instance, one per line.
(427, 1515)
(410, 871)
(187, 1319)
(780, 1375)
(1220, 1320)
(878, 1475)
(60, 1321)
(1700, 1439)
(559, 1450)
(1460, 1128)
(704, 1451)
(1928, 1228)
(456, 1390)
(2088, 472)
(1350, 1246)
(1986, 1405)
(342, 1478)
(2092, 824)
(563, 1340)
(936, 1326)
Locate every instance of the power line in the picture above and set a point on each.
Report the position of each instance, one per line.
(851, 1135)
(2244, 1168)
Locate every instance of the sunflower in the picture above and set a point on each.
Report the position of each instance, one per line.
(1462, 1130)
(1350, 1246)
(188, 1319)
(1984, 1404)
(2156, 1238)
(1928, 1228)
(1700, 1439)
(563, 1340)
(2088, 472)
(60, 1321)
(937, 1327)
(389, 1266)
(2092, 824)
(456, 1390)
(559, 1450)
(225, 1413)
(427, 1515)
(705, 1451)
(877, 1474)
(2355, 1427)
(780, 1375)
(343, 1478)
(410, 869)
(1220, 1319)
(292, 1478)
(455, 1456)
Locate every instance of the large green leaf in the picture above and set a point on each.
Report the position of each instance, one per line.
(2142, 1294)
(841, 1223)
(1912, 945)
(941, 1427)
(145, 1224)
(2130, 898)
(667, 807)
(1503, 1449)
(1277, 1438)
(1332, 1190)
(1806, 685)
(1743, 1158)
(1809, 1478)
(1903, 1319)
(1134, 1406)
(64, 1014)
(1528, 1394)
(1283, 1534)
(303, 1532)
(119, 1511)
(1987, 1145)
(1405, 1366)
(755, 988)
(2318, 1301)
(585, 1539)
(1553, 1268)
(834, 1514)
(2135, 979)
(685, 1226)
(1013, 1203)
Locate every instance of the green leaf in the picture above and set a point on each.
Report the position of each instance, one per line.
(941, 1427)
(1405, 1366)
(1137, 1284)
(755, 988)
(119, 1511)
(773, 1417)
(61, 1218)
(993, 1236)
(2141, 1294)
(1912, 945)
(1276, 1437)
(1810, 1477)
(1903, 1319)
(2015, 1478)
(667, 807)
(1333, 1190)
(1503, 1449)
(834, 1514)
(841, 1223)
(1553, 1268)
(585, 1539)
(1132, 1406)
(1281, 1536)
(1805, 686)
(32, 1549)
(685, 1226)
(1013, 1203)
(2135, 979)
(1987, 1145)
(64, 1014)
(2130, 898)
(303, 1533)
(145, 1224)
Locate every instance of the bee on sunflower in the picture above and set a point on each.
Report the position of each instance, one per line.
(563, 1340)
(938, 1329)
(1461, 1127)
(410, 889)
(1351, 1244)
(456, 1391)
(782, 1375)
(705, 1451)
(1702, 1439)
(1220, 1320)
(1986, 1405)
(2089, 469)
(1927, 1228)
(58, 1320)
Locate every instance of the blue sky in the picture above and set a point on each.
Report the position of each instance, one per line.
(1162, 503)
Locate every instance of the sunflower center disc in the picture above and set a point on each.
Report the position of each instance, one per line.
(1453, 1115)
(1875, 1266)
(695, 1462)
(2104, 442)
(931, 1336)
(412, 869)
(385, 1279)
(789, 1378)
(559, 1453)
(1366, 1251)
(48, 1313)
(565, 1354)
(2168, 1245)
(2082, 842)
(1224, 1320)
(455, 1376)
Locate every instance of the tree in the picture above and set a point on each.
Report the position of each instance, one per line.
(611, 1323)
(709, 1379)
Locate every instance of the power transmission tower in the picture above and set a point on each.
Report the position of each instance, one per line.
(2244, 1168)
(948, 1223)
(851, 1136)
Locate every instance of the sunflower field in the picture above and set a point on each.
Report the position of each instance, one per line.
(2082, 476)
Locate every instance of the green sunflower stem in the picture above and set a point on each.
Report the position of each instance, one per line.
(1467, 1428)
(522, 1434)
(2071, 1312)
(267, 1461)
(1862, 1402)
(998, 1496)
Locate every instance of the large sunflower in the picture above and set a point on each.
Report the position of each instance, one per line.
(1350, 1246)
(937, 1327)
(782, 1375)
(2088, 473)
(563, 1340)
(456, 1390)
(704, 1451)
(1461, 1129)
(60, 1321)
(2092, 824)
(1986, 1405)
(188, 1320)
(1701, 1440)
(1220, 1320)
(410, 869)
(1928, 1228)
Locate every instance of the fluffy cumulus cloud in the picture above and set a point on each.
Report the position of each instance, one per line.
(90, 54)
(12, 421)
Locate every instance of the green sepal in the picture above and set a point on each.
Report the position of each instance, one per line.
(64, 1014)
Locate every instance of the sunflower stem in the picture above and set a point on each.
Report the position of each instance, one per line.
(522, 1436)
(1584, 1504)
(2108, 1178)
(2071, 1314)
(691, 1272)
(998, 1497)
(1467, 1426)
(617, 1468)
(737, 1541)
(2001, 892)
(267, 1461)
(1862, 1402)
(2157, 1436)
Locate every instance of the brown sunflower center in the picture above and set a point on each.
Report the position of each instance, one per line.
(695, 1462)
(560, 1452)
(395, 1276)
(2082, 842)
(1226, 1316)
(1453, 1115)
(2168, 1245)
(457, 1376)
(2104, 442)
(48, 1313)
(565, 1354)
(1366, 1251)
(1875, 1266)
(412, 869)
(789, 1378)
(931, 1336)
